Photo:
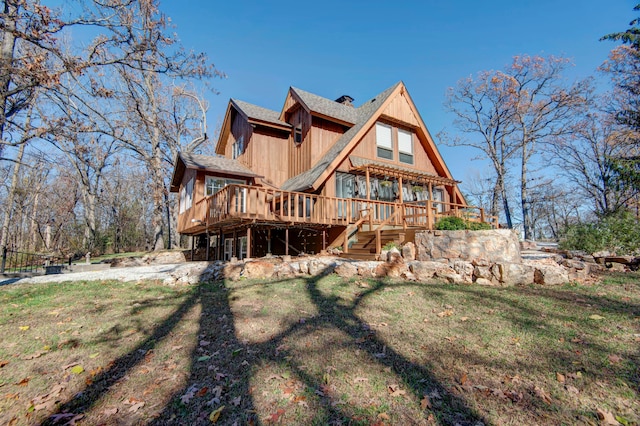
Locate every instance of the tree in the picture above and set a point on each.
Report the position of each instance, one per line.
(513, 111)
(623, 67)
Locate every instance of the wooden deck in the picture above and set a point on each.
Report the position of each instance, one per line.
(238, 204)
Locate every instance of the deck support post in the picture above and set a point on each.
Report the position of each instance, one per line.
(324, 240)
(286, 241)
(234, 249)
(269, 241)
(192, 244)
(208, 244)
(248, 242)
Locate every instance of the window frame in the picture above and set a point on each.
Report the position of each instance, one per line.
(237, 149)
(401, 152)
(381, 148)
(186, 196)
(226, 181)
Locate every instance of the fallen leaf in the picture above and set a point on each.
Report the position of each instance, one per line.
(24, 327)
(596, 317)
(33, 356)
(77, 369)
(360, 380)
(204, 358)
(215, 414)
(110, 411)
(572, 389)
(614, 359)
(204, 343)
(606, 418)
(236, 401)
(3, 363)
(275, 417)
(135, 407)
(560, 377)
(540, 393)
(95, 355)
(383, 416)
(23, 382)
(463, 379)
(425, 403)
(445, 313)
(203, 391)
(463, 319)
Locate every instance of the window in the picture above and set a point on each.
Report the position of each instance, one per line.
(405, 146)
(383, 141)
(213, 184)
(186, 196)
(297, 134)
(237, 148)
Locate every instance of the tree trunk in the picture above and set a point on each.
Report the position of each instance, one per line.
(7, 49)
(524, 196)
(11, 198)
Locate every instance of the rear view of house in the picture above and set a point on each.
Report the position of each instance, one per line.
(319, 173)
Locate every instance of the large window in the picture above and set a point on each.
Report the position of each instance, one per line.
(213, 184)
(384, 141)
(186, 196)
(405, 146)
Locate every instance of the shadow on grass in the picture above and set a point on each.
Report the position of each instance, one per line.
(226, 366)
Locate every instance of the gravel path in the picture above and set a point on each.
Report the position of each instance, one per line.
(165, 272)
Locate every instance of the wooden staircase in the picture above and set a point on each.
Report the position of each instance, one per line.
(365, 247)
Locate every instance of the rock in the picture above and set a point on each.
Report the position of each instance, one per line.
(395, 256)
(390, 269)
(528, 245)
(573, 264)
(550, 275)
(346, 270)
(384, 255)
(409, 252)
(284, 270)
(484, 281)
(232, 271)
(304, 267)
(258, 269)
(603, 253)
(166, 257)
(499, 245)
(514, 273)
(366, 269)
(426, 270)
(464, 269)
(615, 267)
(451, 277)
(482, 272)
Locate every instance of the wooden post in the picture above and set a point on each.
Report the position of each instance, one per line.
(248, 242)
(368, 184)
(482, 219)
(400, 189)
(324, 239)
(208, 244)
(286, 241)
(269, 241)
(345, 245)
(429, 213)
(234, 248)
(192, 243)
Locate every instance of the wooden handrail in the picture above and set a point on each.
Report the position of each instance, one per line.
(384, 223)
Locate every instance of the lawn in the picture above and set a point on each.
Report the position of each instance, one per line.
(320, 350)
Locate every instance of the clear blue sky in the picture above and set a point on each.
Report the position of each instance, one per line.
(360, 48)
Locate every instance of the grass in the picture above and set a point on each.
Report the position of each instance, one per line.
(319, 351)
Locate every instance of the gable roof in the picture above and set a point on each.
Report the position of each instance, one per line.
(326, 107)
(255, 112)
(220, 165)
(364, 112)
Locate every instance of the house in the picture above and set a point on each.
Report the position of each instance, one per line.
(318, 174)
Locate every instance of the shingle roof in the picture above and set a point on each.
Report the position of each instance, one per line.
(327, 107)
(305, 180)
(216, 164)
(260, 113)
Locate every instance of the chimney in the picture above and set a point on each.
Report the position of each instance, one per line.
(345, 100)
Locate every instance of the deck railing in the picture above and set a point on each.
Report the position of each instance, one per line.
(242, 202)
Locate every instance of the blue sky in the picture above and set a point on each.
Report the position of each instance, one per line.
(360, 48)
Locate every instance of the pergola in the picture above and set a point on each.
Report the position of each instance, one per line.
(380, 170)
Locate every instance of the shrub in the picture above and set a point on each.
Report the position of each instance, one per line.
(617, 232)
(452, 223)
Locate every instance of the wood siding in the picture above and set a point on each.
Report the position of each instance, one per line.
(300, 154)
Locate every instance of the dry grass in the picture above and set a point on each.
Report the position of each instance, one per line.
(319, 351)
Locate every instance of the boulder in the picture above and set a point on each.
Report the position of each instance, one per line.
(346, 270)
(395, 256)
(550, 275)
(427, 270)
(409, 252)
(514, 273)
(232, 270)
(258, 269)
(464, 269)
(498, 245)
(164, 257)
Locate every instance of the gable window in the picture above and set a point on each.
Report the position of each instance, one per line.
(384, 142)
(405, 146)
(297, 134)
(186, 196)
(237, 148)
(213, 184)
